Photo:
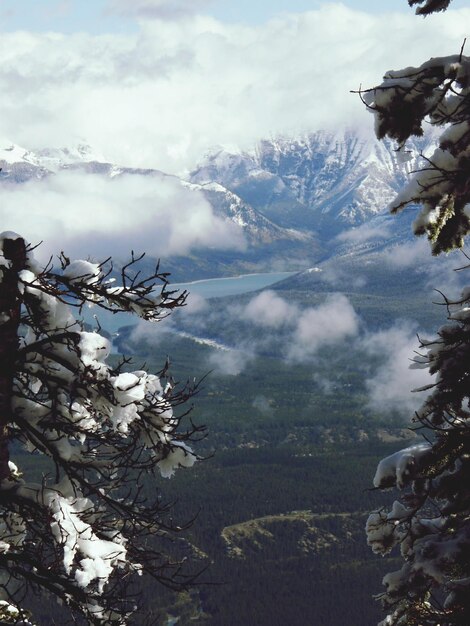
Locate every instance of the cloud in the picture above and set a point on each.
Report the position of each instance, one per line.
(364, 233)
(438, 272)
(148, 334)
(333, 321)
(269, 309)
(300, 333)
(326, 385)
(229, 362)
(391, 384)
(409, 254)
(156, 9)
(93, 214)
(194, 305)
(164, 95)
(341, 278)
(263, 404)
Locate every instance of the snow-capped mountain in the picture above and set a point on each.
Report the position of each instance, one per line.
(18, 165)
(323, 181)
(258, 228)
(296, 199)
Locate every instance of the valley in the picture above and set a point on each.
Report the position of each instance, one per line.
(282, 498)
(301, 366)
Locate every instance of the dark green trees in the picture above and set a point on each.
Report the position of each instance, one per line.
(430, 522)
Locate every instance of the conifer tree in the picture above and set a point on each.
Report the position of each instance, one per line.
(81, 531)
(430, 522)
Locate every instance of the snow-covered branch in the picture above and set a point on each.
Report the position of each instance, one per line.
(437, 92)
(104, 429)
(429, 522)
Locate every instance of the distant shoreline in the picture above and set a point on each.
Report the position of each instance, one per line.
(237, 277)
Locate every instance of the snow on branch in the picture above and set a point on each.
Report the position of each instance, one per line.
(429, 522)
(437, 92)
(104, 429)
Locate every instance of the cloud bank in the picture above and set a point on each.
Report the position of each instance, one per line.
(164, 95)
(269, 310)
(299, 335)
(75, 211)
(330, 323)
(229, 362)
(391, 384)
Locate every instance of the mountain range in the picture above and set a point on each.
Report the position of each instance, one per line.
(298, 200)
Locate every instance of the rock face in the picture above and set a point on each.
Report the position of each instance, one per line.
(19, 165)
(293, 198)
(325, 182)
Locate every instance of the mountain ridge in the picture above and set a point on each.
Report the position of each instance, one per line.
(298, 200)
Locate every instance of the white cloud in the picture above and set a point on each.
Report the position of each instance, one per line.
(195, 304)
(269, 309)
(302, 332)
(438, 273)
(391, 384)
(364, 233)
(93, 214)
(229, 362)
(150, 335)
(263, 404)
(326, 385)
(164, 95)
(156, 9)
(409, 254)
(333, 321)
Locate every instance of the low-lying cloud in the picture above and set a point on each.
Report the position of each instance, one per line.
(437, 273)
(408, 254)
(390, 386)
(229, 362)
(334, 321)
(364, 233)
(269, 310)
(95, 215)
(263, 404)
(300, 334)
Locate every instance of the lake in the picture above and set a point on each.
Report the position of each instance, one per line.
(232, 286)
(210, 288)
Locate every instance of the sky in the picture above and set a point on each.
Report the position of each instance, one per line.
(99, 16)
(158, 83)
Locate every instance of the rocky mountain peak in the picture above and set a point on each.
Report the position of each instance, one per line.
(323, 180)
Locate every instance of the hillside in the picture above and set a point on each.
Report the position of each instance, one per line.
(295, 201)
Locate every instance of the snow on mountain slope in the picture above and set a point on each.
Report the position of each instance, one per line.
(55, 158)
(294, 198)
(322, 181)
(20, 165)
(257, 228)
(11, 153)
